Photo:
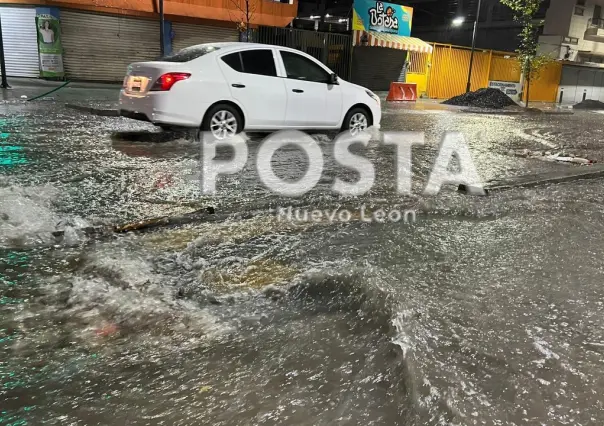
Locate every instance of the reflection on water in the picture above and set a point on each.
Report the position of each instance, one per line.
(11, 155)
(485, 311)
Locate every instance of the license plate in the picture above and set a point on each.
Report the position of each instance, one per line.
(137, 84)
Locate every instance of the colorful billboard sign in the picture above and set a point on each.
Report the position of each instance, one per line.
(49, 46)
(379, 16)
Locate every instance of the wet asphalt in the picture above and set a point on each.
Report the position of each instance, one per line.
(484, 310)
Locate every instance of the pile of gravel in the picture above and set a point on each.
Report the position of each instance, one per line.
(482, 98)
(589, 104)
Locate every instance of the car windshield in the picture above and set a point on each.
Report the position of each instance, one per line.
(189, 53)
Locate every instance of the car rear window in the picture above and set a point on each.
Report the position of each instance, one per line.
(189, 53)
(257, 61)
(260, 62)
(234, 61)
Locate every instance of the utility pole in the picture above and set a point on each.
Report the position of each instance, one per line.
(162, 36)
(473, 46)
(4, 84)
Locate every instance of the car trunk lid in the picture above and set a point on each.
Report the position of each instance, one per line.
(141, 76)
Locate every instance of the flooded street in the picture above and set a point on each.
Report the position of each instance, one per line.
(483, 311)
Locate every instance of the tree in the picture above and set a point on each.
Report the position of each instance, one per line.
(246, 9)
(530, 62)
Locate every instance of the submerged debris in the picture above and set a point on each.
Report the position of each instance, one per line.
(482, 98)
(589, 104)
(166, 221)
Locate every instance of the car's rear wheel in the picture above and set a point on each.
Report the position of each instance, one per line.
(357, 120)
(223, 121)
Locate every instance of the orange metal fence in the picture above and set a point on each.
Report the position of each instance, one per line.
(444, 73)
(449, 71)
(544, 88)
(504, 67)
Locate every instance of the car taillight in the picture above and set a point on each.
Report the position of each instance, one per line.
(166, 81)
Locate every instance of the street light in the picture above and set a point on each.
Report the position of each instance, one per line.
(457, 22)
(473, 46)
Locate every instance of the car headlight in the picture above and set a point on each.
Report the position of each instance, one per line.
(373, 96)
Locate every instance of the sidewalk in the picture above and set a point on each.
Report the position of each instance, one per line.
(426, 104)
(19, 82)
(105, 96)
(28, 88)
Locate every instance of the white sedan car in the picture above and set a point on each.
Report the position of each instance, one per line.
(226, 88)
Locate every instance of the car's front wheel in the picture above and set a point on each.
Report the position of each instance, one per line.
(357, 120)
(223, 121)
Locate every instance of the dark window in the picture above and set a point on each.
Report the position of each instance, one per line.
(189, 53)
(580, 2)
(234, 61)
(259, 62)
(300, 68)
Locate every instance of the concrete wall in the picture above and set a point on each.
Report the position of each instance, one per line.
(558, 17)
(579, 83)
(550, 45)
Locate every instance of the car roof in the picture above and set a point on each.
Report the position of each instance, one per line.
(225, 47)
(234, 45)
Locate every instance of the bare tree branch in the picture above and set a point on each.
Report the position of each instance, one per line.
(247, 11)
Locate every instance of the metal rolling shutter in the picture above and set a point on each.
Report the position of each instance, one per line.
(376, 67)
(186, 35)
(20, 41)
(100, 47)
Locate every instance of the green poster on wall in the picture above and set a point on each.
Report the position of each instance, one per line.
(49, 46)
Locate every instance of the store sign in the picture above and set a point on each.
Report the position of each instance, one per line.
(378, 16)
(49, 46)
(509, 88)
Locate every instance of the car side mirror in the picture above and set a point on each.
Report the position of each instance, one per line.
(333, 78)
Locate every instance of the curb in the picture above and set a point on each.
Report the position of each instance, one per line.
(529, 181)
(525, 113)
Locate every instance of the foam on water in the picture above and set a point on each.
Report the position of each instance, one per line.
(28, 218)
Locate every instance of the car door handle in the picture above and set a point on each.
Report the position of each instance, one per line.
(297, 90)
(239, 86)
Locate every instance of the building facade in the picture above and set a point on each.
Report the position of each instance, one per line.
(574, 31)
(96, 40)
(574, 34)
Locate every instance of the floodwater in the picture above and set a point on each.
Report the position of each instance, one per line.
(481, 311)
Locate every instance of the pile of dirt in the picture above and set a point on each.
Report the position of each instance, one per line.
(589, 104)
(482, 98)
